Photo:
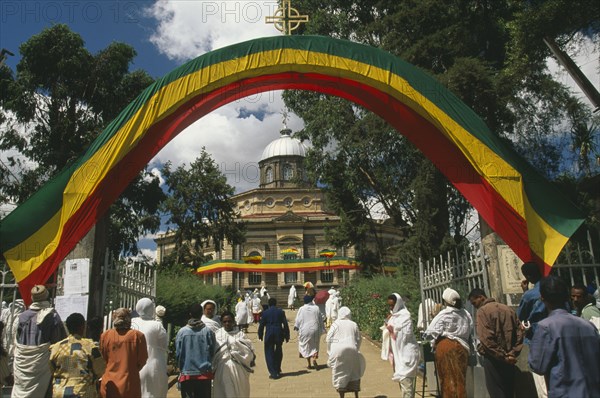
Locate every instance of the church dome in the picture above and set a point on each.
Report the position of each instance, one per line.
(284, 146)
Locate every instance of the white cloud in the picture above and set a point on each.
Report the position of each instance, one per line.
(148, 253)
(235, 144)
(187, 29)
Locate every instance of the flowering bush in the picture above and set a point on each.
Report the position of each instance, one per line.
(367, 299)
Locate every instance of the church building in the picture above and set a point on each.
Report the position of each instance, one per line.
(286, 221)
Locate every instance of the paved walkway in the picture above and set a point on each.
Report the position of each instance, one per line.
(298, 381)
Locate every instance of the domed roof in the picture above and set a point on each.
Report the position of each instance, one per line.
(284, 146)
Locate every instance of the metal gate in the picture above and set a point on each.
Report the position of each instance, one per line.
(577, 264)
(12, 307)
(467, 269)
(462, 270)
(124, 284)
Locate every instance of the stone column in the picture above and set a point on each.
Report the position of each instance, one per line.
(490, 241)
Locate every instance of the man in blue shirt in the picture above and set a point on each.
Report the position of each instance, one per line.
(565, 348)
(277, 330)
(532, 310)
(195, 347)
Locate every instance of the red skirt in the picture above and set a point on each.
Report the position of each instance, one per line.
(451, 360)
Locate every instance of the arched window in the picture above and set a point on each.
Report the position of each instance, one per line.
(288, 172)
(269, 175)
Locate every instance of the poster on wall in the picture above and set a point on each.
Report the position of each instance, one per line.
(67, 305)
(510, 270)
(76, 288)
(77, 276)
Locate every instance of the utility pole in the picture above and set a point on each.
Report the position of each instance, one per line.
(582, 81)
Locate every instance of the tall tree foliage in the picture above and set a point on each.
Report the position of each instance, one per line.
(198, 205)
(469, 47)
(60, 99)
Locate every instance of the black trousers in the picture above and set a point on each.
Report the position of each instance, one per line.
(273, 355)
(196, 389)
(499, 378)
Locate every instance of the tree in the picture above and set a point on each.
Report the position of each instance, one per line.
(60, 99)
(198, 205)
(585, 134)
(466, 45)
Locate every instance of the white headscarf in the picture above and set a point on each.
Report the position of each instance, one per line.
(208, 301)
(344, 313)
(145, 309)
(450, 296)
(160, 311)
(399, 303)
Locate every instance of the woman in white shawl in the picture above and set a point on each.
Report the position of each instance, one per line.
(248, 300)
(451, 335)
(256, 307)
(328, 307)
(153, 375)
(310, 326)
(233, 360)
(292, 296)
(400, 345)
(212, 321)
(346, 362)
(241, 315)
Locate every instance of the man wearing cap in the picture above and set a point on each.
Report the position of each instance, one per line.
(39, 327)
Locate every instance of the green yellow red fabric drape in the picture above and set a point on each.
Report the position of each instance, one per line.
(529, 213)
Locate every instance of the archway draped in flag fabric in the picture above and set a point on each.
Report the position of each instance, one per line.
(528, 212)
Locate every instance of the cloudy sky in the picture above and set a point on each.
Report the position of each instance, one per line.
(166, 34)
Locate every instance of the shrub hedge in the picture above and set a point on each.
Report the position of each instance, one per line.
(367, 299)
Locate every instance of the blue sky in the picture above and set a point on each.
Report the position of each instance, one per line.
(98, 22)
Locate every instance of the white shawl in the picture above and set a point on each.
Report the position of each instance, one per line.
(309, 323)
(343, 342)
(233, 364)
(153, 375)
(31, 370)
(400, 345)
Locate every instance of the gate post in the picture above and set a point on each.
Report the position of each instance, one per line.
(490, 242)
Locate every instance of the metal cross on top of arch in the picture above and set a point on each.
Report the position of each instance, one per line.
(286, 18)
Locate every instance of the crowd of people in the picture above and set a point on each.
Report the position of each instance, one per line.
(556, 329)
(562, 346)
